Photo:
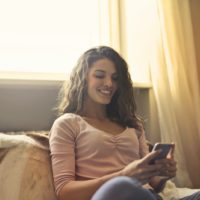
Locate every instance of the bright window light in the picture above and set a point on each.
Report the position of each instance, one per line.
(46, 36)
(42, 39)
(137, 31)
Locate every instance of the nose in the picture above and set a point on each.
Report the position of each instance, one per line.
(108, 81)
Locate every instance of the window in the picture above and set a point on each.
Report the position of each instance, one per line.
(45, 36)
(42, 39)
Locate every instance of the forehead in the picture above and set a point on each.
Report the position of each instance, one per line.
(104, 64)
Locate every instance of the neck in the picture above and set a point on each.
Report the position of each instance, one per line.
(94, 110)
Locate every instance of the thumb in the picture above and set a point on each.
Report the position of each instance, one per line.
(171, 153)
(151, 156)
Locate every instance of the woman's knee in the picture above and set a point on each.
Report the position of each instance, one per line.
(122, 188)
(124, 181)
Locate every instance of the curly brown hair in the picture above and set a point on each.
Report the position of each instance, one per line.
(121, 109)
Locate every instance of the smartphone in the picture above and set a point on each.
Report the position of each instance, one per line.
(165, 150)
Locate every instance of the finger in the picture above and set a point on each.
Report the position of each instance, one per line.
(163, 162)
(172, 169)
(168, 171)
(152, 170)
(172, 163)
(171, 154)
(173, 147)
(170, 174)
(166, 162)
(168, 167)
(149, 171)
(146, 176)
(164, 170)
(150, 156)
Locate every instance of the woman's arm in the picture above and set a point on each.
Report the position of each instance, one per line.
(84, 190)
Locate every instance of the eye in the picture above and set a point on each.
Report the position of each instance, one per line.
(115, 77)
(99, 74)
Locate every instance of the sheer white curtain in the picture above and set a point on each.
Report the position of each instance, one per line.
(175, 85)
(109, 23)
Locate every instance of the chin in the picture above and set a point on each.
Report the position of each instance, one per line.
(104, 102)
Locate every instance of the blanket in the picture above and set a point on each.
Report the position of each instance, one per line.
(25, 169)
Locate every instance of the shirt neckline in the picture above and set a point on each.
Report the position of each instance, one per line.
(100, 130)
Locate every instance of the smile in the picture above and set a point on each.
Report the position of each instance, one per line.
(106, 92)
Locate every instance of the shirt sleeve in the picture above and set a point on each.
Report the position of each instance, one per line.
(143, 147)
(62, 148)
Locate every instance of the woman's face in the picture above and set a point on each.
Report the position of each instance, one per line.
(102, 81)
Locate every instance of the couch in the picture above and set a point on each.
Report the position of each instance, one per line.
(25, 169)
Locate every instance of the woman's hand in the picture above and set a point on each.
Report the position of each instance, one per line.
(168, 169)
(142, 170)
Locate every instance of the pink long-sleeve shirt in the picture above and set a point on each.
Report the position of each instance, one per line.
(80, 151)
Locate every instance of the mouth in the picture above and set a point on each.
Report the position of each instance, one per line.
(106, 92)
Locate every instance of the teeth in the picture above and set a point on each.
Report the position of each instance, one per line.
(105, 91)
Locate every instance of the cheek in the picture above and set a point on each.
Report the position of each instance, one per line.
(115, 86)
(92, 84)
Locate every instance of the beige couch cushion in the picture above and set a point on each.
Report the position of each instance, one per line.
(25, 169)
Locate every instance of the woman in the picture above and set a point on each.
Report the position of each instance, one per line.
(98, 145)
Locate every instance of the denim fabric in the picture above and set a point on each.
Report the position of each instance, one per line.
(122, 188)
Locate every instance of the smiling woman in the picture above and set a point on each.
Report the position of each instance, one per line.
(102, 82)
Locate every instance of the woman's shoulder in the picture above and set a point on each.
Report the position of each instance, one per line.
(67, 119)
(66, 124)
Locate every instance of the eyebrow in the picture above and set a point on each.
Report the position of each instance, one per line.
(100, 70)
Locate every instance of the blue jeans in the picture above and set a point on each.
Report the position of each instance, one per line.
(125, 188)
(122, 188)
